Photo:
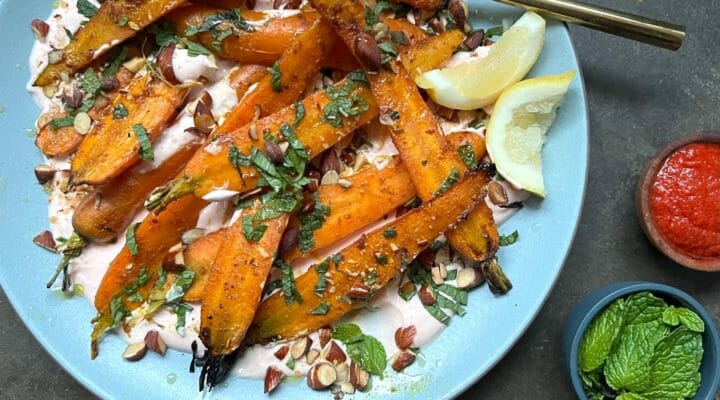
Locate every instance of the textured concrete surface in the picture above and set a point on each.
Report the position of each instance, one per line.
(640, 98)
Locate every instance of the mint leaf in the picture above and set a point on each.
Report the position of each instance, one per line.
(670, 316)
(347, 333)
(675, 316)
(642, 308)
(675, 365)
(370, 354)
(363, 349)
(600, 336)
(690, 320)
(628, 367)
(630, 396)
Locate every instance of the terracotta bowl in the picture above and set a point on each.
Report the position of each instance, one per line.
(642, 204)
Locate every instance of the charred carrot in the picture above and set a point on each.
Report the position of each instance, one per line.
(139, 263)
(319, 128)
(114, 145)
(199, 257)
(433, 165)
(235, 284)
(260, 40)
(102, 32)
(285, 80)
(431, 53)
(336, 284)
(106, 213)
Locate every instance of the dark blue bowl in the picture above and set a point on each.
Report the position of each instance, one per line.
(587, 309)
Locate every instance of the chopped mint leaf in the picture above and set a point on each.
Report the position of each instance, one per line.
(275, 76)
(446, 184)
(146, 150)
(130, 240)
(321, 309)
(120, 111)
(86, 8)
(507, 240)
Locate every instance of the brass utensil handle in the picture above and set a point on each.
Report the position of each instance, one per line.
(658, 33)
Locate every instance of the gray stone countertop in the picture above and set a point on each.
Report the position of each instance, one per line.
(640, 98)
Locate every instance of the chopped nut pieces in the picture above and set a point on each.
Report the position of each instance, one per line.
(44, 173)
(427, 296)
(367, 50)
(273, 152)
(335, 353)
(330, 178)
(325, 333)
(45, 240)
(300, 347)
(402, 360)
(40, 28)
(475, 39)
(359, 291)
(282, 352)
(496, 193)
(468, 278)
(165, 65)
(311, 356)
(288, 241)
(321, 375)
(404, 337)
(330, 162)
(273, 377)
(135, 351)
(82, 123)
(358, 377)
(154, 342)
(343, 372)
(459, 11)
(203, 118)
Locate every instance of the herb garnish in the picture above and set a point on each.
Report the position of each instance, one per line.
(507, 240)
(117, 310)
(343, 102)
(181, 310)
(290, 291)
(253, 231)
(390, 232)
(311, 222)
(363, 349)
(221, 25)
(494, 31)
(146, 150)
(448, 297)
(321, 270)
(120, 111)
(467, 155)
(321, 309)
(446, 184)
(86, 8)
(372, 14)
(62, 122)
(299, 113)
(130, 240)
(165, 36)
(275, 76)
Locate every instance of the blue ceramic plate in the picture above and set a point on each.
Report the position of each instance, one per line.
(462, 354)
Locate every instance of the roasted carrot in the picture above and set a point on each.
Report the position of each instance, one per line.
(228, 4)
(63, 141)
(431, 53)
(211, 168)
(414, 34)
(106, 213)
(432, 164)
(414, 231)
(199, 257)
(244, 76)
(235, 284)
(57, 142)
(103, 32)
(372, 194)
(459, 139)
(154, 236)
(112, 146)
(264, 44)
(286, 80)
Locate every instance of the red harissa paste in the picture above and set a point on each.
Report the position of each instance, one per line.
(685, 199)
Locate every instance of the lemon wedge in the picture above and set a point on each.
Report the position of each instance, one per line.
(476, 84)
(516, 131)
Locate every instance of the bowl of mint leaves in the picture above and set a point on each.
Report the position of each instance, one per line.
(641, 341)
